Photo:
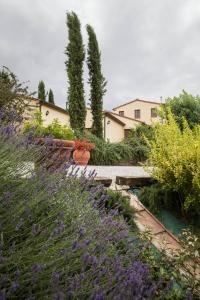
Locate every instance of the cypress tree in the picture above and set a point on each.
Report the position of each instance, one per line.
(51, 97)
(75, 58)
(97, 82)
(41, 91)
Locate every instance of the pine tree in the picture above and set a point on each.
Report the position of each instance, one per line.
(51, 97)
(41, 91)
(97, 82)
(75, 58)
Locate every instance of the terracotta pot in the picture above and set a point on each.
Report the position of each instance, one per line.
(81, 157)
(58, 152)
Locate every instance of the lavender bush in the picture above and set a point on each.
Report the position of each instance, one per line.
(57, 241)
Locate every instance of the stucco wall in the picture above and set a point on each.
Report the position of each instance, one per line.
(89, 119)
(49, 114)
(128, 122)
(114, 132)
(145, 110)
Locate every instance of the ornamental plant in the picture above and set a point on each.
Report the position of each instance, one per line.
(83, 145)
(55, 129)
(175, 157)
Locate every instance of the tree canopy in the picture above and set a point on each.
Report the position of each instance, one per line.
(51, 97)
(75, 58)
(41, 91)
(97, 82)
(185, 106)
(13, 93)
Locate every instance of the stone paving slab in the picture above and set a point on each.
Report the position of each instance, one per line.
(113, 171)
(144, 220)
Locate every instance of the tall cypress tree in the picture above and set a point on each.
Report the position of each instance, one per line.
(51, 97)
(97, 82)
(75, 58)
(41, 91)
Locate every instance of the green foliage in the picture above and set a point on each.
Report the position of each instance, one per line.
(138, 140)
(187, 260)
(175, 157)
(132, 150)
(106, 153)
(51, 97)
(59, 131)
(13, 93)
(55, 129)
(41, 91)
(185, 106)
(75, 58)
(97, 82)
(122, 203)
(154, 197)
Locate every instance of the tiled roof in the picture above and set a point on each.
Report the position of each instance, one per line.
(142, 100)
(136, 120)
(111, 116)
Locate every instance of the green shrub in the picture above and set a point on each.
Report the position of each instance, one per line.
(175, 157)
(59, 131)
(130, 151)
(55, 129)
(154, 197)
(122, 203)
(138, 141)
(106, 153)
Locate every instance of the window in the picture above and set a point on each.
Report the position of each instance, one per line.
(154, 112)
(137, 113)
(121, 113)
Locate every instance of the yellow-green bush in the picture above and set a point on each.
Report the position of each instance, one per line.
(175, 157)
(55, 129)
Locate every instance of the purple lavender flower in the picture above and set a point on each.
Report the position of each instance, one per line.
(36, 269)
(59, 229)
(14, 286)
(59, 296)
(2, 295)
(2, 258)
(81, 232)
(55, 278)
(19, 224)
(35, 229)
(97, 294)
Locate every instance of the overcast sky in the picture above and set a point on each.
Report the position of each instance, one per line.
(150, 48)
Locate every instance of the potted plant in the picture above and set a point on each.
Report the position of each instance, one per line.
(81, 154)
(56, 138)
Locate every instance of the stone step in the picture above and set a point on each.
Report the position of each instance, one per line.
(134, 180)
(106, 181)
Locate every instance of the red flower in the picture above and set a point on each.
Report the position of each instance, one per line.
(83, 145)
